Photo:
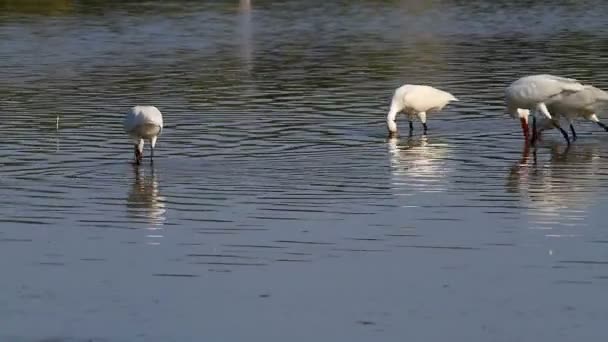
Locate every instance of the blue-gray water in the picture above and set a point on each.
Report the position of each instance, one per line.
(276, 209)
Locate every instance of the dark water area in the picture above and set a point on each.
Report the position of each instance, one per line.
(277, 209)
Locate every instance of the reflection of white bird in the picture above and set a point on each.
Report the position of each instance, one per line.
(560, 187)
(533, 92)
(416, 100)
(582, 104)
(143, 123)
(145, 199)
(417, 164)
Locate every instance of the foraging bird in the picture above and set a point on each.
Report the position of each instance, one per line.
(416, 100)
(582, 104)
(143, 123)
(533, 93)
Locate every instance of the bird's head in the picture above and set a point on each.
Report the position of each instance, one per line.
(517, 113)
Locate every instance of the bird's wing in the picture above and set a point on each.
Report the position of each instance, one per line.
(588, 98)
(560, 79)
(600, 99)
(598, 94)
(559, 87)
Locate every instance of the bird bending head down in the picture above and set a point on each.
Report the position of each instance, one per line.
(416, 101)
(143, 123)
(535, 92)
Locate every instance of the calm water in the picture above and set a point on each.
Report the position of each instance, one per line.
(276, 209)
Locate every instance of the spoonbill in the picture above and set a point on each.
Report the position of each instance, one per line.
(582, 104)
(416, 100)
(143, 123)
(533, 92)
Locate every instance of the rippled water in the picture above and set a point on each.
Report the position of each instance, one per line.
(276, 208)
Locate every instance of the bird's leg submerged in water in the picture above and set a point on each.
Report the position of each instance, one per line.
(411, 127)
(138, 155)
(573, 131)
(152, 144)
(564, 133)
(139, 151)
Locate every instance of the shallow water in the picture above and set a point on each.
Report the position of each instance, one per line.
(276, 208)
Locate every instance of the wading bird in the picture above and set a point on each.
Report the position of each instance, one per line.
(533, 93)
(143, 123)
(581, 104)
(416, 100)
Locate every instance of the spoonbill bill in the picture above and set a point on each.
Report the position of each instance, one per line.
(143, 123)
(416, 100)
(533, 93)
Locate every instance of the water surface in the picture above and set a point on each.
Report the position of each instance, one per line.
(277, 209)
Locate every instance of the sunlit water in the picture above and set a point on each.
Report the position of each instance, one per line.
(277, 209)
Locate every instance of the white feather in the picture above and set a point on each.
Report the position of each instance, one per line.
(533, 92)
(143, 123)
(416, 100)
(582, 104)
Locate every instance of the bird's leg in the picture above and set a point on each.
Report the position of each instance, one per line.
(138, 155)
(139, 150)
(564, 133)
(595, 119)
(573, 131)
(602, 125)
(152, 155)
(422, 117)
(543, 109)
(411, 126)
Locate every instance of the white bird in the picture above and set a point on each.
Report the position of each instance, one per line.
(416, 100)
(143, 123)
(533, 92)
(582, 104)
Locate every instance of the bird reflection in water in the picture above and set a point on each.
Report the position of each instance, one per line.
(145, 204)
(417, 164)
(560, 188)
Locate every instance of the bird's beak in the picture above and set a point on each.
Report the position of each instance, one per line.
(525, 128)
